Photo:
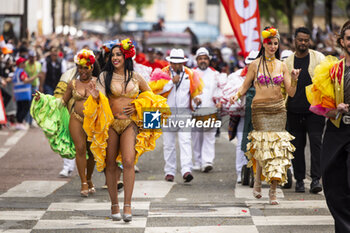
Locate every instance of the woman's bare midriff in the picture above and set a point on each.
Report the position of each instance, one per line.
(118, 105)
(267, 92)
(79, 107)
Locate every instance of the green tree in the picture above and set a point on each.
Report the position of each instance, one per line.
(275, 11)
(108, 9)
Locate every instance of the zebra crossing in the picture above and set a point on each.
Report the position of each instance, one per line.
(152, 214)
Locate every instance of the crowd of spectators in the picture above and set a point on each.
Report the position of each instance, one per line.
(226, 56)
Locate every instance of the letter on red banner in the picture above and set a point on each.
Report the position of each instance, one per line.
(244, 17)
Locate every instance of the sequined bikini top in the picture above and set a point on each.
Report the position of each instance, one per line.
(118, 88)
(76, 95)
(266, 80)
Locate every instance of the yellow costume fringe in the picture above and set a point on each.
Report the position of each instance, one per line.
(270, 144)
(321, 91)
(99, 117)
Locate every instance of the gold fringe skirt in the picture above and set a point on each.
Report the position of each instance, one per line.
(270, 144)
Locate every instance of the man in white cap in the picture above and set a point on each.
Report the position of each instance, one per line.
(180, 90)
(204, 139)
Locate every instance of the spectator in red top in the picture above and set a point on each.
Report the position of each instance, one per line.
(152, 62)
(140, 56)
(160, 58)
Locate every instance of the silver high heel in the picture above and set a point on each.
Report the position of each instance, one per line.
(273, 197)
(127, 217)
(117, 216)
(257, 194)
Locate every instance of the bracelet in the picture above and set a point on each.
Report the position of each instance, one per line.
(239, 95)
(294, 83)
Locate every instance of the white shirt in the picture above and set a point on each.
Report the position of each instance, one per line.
(63, 66)
(179, 96)
(210, 80)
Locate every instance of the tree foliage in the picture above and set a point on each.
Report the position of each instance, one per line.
(275, 11)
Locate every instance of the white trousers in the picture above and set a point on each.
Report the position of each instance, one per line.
(241, 160)
(69, 164)
(203, 146)
(169, 147)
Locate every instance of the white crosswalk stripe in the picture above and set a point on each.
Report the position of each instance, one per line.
(292, 220)
(209, 212)
(90, 214)
(88, 224)
(201, 229)
(34, 188)
(81, 206)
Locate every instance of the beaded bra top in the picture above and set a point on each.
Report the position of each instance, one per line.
(266, 80)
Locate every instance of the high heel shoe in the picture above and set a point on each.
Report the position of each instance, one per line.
(91, 187)
(117, 216)
(84, 192)
(127, 217)
(257, 194)
(273, 197)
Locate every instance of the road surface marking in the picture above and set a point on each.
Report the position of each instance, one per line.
(302, 204)
(76, 206)
(16, 231)
(88, 224)
(201, 229)
(34, 188)
(11, 141)
(151, 189)
(21, 215)
(292, 220)
(215, 212)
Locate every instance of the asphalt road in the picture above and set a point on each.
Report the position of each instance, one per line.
(34, 199)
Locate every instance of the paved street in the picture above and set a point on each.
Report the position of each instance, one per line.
(34, 199)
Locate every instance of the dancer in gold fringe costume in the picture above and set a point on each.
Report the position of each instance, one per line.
(270, 149)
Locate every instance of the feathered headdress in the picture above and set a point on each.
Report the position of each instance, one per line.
(84, 57)
(107, 47)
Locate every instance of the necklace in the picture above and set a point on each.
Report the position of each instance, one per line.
(270, 58)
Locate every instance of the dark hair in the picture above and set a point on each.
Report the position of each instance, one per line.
(302, 30)
(97, 69)
(109, 68)
(263, 59)
(345, 27)
(102, 59)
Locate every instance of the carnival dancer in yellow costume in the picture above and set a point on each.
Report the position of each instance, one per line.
(76, 90)
(329, 95)
(270, 149)
(113, 121)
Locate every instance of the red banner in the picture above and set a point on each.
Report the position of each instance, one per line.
(244, 17)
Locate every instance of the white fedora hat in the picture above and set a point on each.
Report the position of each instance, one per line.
(251, 57)
(203, 51)
(176, 56)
